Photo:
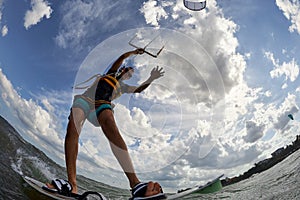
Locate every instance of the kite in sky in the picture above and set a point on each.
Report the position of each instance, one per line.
(291, 116)
(194, 5)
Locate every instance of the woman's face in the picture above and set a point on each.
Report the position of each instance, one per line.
(128, 74)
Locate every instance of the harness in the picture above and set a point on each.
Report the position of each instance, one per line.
(109, 79)
(114, 83)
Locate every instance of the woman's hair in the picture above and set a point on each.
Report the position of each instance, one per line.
(122, 71)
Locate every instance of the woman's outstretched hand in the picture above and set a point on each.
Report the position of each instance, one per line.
(157, 72)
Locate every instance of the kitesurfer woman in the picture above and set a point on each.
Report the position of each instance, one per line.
(95, 106)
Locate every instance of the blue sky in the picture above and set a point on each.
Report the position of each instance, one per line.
(232, 77)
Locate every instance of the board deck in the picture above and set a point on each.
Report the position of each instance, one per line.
(38, 186)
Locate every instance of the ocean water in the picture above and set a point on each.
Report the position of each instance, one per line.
(282, 181)
(18, 158)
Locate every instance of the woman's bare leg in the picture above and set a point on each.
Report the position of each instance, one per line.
(75, 124)
(118, 146)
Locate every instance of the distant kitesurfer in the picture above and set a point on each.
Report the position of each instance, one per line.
(95, 106)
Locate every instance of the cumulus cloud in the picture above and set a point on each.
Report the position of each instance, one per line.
(289, 106)
(153, 13)
(291, 10)
(39, 10)
(254, 132)
(34, 123)
(219, 42)
(290, 70)
(216, 35)
(196, 121)
(4, 30)
(210, 101)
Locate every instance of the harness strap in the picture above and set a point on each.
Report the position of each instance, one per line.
(99, 76)
(77, 86)
(114, 83)
(94, 102)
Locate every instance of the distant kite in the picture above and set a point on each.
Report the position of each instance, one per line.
(291, 116)
(194, 5)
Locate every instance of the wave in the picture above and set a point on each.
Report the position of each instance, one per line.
(19, 158)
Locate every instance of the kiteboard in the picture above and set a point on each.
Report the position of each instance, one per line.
(37, 185)
(212, 186)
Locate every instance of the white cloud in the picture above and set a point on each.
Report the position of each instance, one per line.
(221, 120)
(291, 10)
(1, 7)
(290, 70)
(34, 123)
(268, 93)
(4, 30)
(289, 106)
(39, 10)
(82, 19)
(254, 131)
(153, 13)
(200, 119)
(284, 86)
(216, 35)
(74, 27)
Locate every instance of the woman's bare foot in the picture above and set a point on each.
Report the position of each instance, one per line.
(153, 189)
(50, 186)
(74, 188)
